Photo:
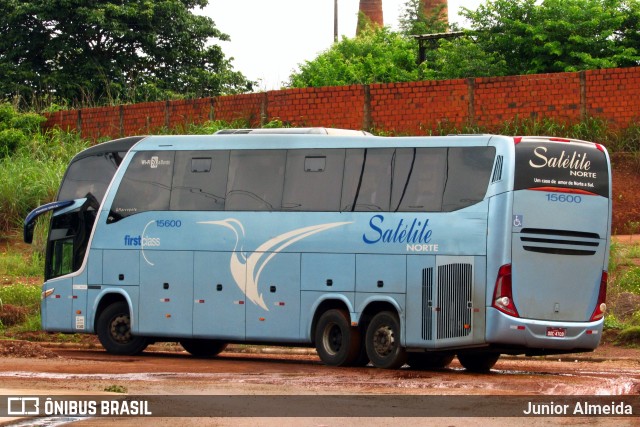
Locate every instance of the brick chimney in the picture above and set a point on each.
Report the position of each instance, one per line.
(372, 9)
(430, 5)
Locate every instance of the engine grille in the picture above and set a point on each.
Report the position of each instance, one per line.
(559, 242)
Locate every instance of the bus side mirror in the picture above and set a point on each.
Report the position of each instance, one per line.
(27, 232)
(30, 220)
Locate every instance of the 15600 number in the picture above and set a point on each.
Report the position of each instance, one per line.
(564, 198)
(168, 223)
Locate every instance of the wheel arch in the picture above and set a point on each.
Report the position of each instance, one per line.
(104, 300)
(329, 302)
(375, 305)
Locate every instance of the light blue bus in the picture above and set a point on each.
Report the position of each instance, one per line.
(388, 250)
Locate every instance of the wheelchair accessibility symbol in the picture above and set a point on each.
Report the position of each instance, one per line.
(517, 220)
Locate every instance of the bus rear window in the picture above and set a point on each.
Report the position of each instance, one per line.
(554, 165)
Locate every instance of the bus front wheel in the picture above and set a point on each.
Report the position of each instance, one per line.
(478, 362)
(383, 341)
(114, 331)
(337, 342)
(203, 348)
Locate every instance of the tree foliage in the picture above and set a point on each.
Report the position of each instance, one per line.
(111, 50)
(377, 55)
(558, 35)
(507, 37)
(414, 20)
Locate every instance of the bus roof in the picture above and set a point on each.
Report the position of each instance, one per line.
(270, 141)
(116, 145)
(293, 131)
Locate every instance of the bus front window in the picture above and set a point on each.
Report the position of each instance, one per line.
(68, 239)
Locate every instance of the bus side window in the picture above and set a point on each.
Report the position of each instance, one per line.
(256, 180)
(313, 180)
(146, 185)
(367, 180)
(200, 180)
(468, 173)
(426, 180)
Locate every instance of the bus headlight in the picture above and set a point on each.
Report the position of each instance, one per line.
(46, 293)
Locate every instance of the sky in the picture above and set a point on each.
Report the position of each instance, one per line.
(269, 38)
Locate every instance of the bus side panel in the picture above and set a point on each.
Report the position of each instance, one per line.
(94, 281)
(273, 314)
(57, 308)
(220, 303)
(328, 272)
(381, 273)
(166, 292)
(79, 298)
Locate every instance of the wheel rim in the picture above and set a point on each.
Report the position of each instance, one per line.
(332, 339)
(384, 342)
(121, 329)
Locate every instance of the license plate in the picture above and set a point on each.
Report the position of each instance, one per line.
(556, 332)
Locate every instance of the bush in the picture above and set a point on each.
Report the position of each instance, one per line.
(10, 140)
(27, 122)
(629, 336)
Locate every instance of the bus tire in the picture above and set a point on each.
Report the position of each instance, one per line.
(337, 342)
(114, 331)
(383, 341)
(436, 360)
(203, 348)
(478, 362)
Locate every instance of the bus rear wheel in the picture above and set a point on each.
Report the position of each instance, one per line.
(337, 342)
(114, 331)
(383, 341)
(203, 348)
(478, 362)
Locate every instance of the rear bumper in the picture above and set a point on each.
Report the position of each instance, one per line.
(504, 330)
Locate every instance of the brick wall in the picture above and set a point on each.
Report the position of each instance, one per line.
(408, 108)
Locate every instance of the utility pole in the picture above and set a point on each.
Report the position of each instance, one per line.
(335, 21)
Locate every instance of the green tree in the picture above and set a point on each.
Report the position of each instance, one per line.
(105, 50)
(462, 58)
(414, 20)
(377, 55)
(558, 35)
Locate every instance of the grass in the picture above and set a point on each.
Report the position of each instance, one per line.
(16, 264)
(20, 308)
(31, 176)
(21, 295)
(115, 389)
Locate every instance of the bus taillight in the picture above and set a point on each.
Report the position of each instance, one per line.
(502, 295)
(601, 305)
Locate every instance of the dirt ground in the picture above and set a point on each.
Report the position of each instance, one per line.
(54, 369)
